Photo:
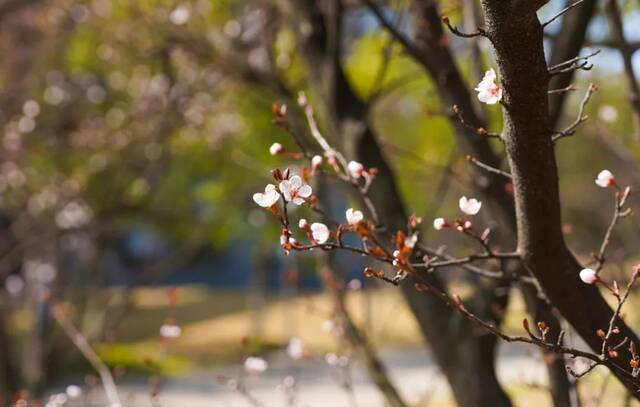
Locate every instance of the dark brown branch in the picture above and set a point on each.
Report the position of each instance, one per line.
(480, 131)
(407, 44)
(479, 33)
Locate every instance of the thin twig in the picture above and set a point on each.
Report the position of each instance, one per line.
(581, 116)
(479, 33)
(569, 88)
(480, 131)
(561, 12)
(487, 167)
(408, 45)
(573, 64)
(87, 351)
(619, 213)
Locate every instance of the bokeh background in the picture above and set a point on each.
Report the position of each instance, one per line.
(134, 133)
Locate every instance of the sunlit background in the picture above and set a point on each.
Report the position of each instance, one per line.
(134, 134)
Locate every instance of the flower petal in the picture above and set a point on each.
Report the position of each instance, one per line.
(296, 182)
(304, 191)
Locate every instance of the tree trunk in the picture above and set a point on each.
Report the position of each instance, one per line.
(517, 36)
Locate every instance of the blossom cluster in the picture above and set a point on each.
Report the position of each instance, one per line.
(469, 207)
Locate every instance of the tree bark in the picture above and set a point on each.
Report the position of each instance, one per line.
(517, 37)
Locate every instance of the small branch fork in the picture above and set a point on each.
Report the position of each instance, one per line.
(480, 131)
(573, 64)
(81, 343)
(407, 247)
(571, 129)
(479, 33)
(619, 213)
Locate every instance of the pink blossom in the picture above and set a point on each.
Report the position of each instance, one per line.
(355, 169)
(354, 217)
(303, 224)
(254, 364)
(411, 241)
(331, 359)
(170, 331)
(320, 232)
(354, 284)
(73, 391)
(316, 162)
(295, 190)
(608, 113)
(589, 276)
(469, 206)
(268, 198)
(440, 223)
(276, 148)
(605, 179)
(488, 91)
(295, 348)
(180, 15)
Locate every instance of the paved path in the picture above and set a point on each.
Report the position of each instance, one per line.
(414, 372)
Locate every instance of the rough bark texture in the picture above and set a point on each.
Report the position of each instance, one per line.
(517, 37)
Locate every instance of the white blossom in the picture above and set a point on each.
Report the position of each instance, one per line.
(316, 162)
(328, 325)
(608, 113)
(354, 217)
(354, 284)
(295, 190)
(411, 241)
(355, 169)
(331, 359)
(295, 348)
(255, 364)
(320, 232)
(170, 331)
(180, 15)
(73, 215)
(268, 198)
(73, 391)
(469, 206)
(488, 91)
(276, 148)
(440, 223)
(303, 224)
(588, 276)
(605, 178)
